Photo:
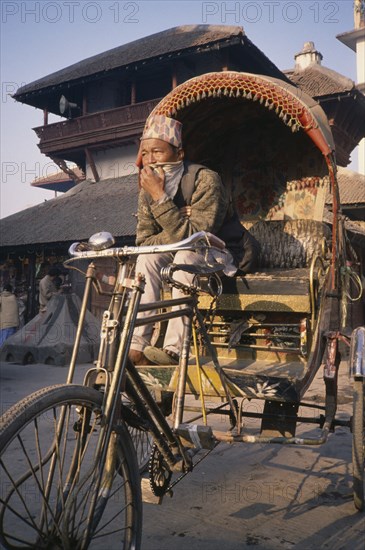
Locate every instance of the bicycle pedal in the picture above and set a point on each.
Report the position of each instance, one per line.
(194, 435)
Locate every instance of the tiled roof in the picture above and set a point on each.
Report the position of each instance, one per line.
(109, 205)
(58, 176)
(317, 81)
(160, 44)
(351, 186)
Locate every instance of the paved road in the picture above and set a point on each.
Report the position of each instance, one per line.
(243, 496)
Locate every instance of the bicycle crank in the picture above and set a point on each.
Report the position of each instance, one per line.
(159, 472)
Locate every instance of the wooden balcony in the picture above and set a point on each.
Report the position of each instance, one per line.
(97, 129)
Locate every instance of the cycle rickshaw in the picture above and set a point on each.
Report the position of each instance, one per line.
(259, 336)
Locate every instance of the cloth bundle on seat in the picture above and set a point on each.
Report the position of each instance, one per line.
(289, 244)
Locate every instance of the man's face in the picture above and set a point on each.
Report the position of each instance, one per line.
(156, 150)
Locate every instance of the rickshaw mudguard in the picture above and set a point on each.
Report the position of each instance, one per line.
(357, 353)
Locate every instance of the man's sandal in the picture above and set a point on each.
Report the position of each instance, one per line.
(158, 356)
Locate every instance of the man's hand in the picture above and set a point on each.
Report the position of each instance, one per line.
(153, 182)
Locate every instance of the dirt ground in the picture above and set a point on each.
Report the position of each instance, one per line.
(246, 495)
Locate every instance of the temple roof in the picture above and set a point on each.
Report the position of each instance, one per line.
(317, 81)
(342, 101)
(110, 205)
(162, 45)
(59, 181)
(351, 186)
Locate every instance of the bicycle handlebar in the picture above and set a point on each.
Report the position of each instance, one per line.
(200, 240)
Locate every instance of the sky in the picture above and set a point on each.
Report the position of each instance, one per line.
(41, 37)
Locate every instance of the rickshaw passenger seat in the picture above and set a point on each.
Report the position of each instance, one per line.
(281, 282)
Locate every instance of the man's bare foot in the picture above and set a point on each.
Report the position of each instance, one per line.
(138, 357)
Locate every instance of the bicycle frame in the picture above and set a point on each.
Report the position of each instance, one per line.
(115, 373)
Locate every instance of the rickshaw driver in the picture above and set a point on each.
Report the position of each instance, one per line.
(165, 218)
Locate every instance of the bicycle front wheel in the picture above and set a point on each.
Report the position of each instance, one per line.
(53, 492)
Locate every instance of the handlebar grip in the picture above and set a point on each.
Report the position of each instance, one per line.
(73, 249)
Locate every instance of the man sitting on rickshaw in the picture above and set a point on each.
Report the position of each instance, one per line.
(177, 199)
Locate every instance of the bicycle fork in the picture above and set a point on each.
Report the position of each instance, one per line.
(106, 452)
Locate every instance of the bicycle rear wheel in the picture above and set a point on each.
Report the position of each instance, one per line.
(141, 438)
(53, 492)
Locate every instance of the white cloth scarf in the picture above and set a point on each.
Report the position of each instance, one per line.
(173, 174)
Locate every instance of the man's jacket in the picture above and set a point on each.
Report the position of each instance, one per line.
(203, 190)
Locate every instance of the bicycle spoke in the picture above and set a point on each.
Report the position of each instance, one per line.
(10, 495)
(118, 513)
(38, 485)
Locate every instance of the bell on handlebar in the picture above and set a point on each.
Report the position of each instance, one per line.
(101, 241)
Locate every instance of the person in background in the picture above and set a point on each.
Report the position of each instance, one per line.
(58, 282)
(9, 313)
(48, 288)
